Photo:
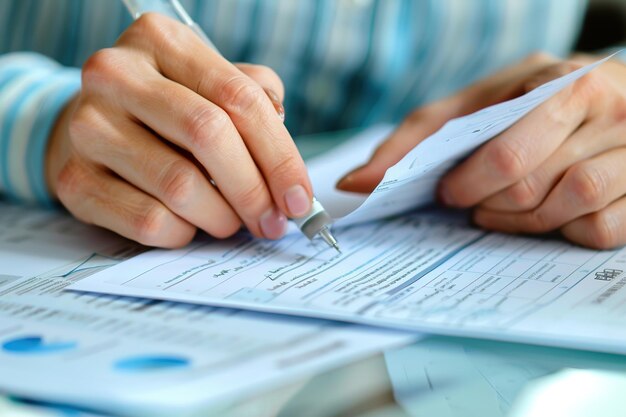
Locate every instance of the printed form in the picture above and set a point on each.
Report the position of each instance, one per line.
(420, 272)
(413, 272)
(136, 356)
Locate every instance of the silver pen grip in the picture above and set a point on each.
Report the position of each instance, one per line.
(314, 221)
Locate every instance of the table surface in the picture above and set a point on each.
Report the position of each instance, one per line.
(436, 376)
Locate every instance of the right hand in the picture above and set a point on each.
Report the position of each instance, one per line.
(167, 136)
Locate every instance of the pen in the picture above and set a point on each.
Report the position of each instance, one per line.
(317, 221)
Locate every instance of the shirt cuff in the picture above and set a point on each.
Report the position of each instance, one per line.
(33, 92)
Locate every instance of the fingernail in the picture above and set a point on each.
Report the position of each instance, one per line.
(444, 196)
(348, 179)
(298, 201)
(345, 182)
(273, 224)
(278, 106)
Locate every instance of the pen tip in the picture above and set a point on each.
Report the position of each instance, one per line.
(329, 239)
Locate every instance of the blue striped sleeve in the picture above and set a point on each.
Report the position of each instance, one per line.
(33, 91)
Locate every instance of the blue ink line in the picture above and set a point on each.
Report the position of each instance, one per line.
(433, 266)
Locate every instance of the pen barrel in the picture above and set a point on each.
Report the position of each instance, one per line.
(169, 8)
(164, 7)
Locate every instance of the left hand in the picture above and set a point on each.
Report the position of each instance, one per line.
(562, 167)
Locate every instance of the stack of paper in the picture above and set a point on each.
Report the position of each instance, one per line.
(136, 356)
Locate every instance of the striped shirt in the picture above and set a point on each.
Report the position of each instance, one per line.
(345, 63)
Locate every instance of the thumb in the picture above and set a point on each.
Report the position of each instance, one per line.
(418, 126)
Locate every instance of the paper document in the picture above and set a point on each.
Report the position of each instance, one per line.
(412, 272)
(411, 182)
(134, 356)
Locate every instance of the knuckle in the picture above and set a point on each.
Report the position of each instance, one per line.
(587, 184)
(618, 114)
(506, 160)
(156, 33)
(84, 120)
(102, 67)
(261, 72)
(203, 124)
(524, 194)
(565, 67)
(265, 71)
(71, 181)
(286, 169)
(539, 222)
(149, 21)
(539, 57)
(558, 114)
(80, 123)
(602, 231)
(150, 24)
(575, 150)
(178, 184)
(88, 133)
(531, 84)
(251, 197)
(238, 95)
(148, 225)
(589, 85)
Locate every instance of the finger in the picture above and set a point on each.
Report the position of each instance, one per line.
(411, 132)
(242, 100)
(515, 153)
(504, 85)
(590, 140)
(549, 73)
(270, 82)
(604, 229)
(96, 197)
(265, 77)
(202, 128)
(585, 188)
(149, 164)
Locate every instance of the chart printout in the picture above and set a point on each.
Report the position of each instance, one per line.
(136, 356)
(412, 272)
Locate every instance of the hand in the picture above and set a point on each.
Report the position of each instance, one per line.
(562, 167)
(167, 136)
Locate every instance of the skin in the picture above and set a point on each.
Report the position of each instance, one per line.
(163, 140)
(562, 167)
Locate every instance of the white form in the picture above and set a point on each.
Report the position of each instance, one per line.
(135, 356)
(413, 272)
(411, 182)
